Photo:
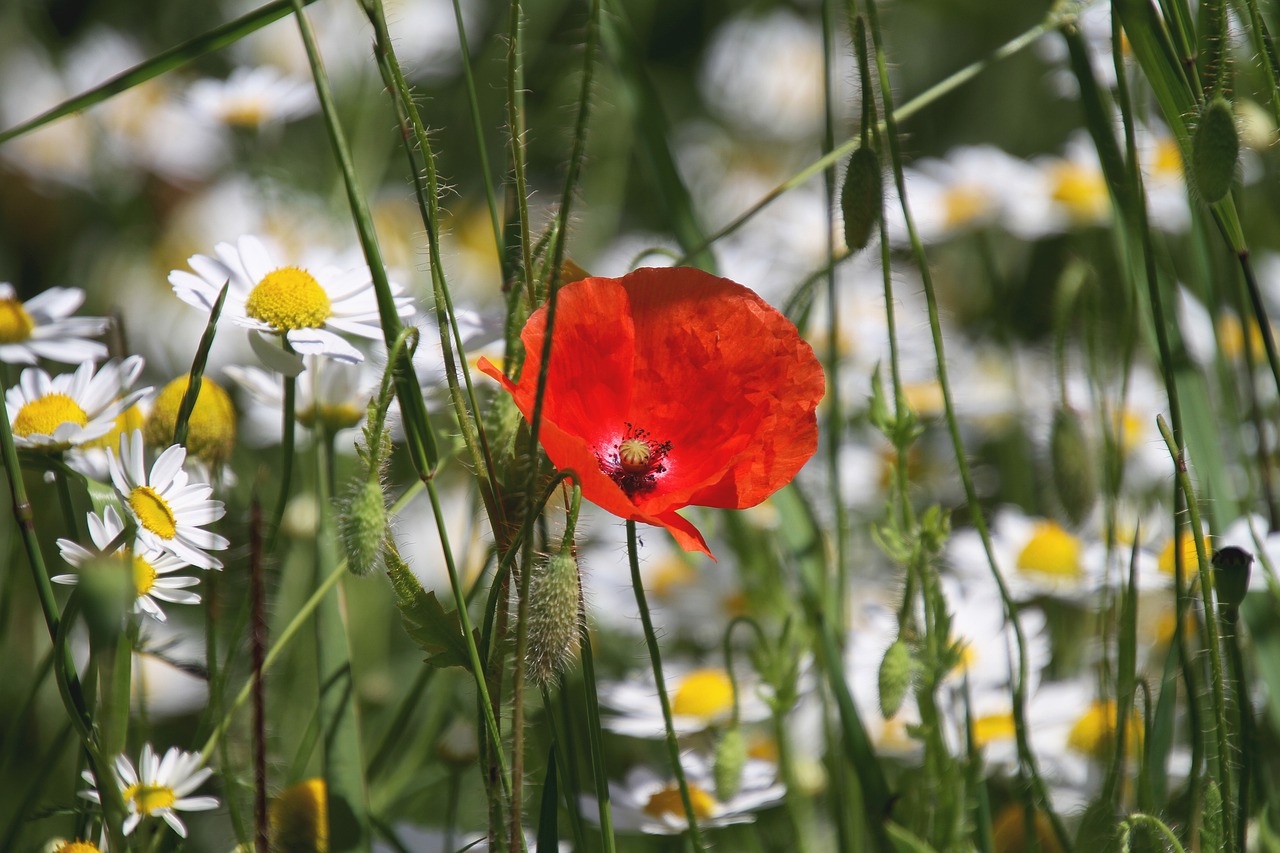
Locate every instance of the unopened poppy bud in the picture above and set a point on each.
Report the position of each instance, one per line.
(895, 677)
(730, 758)
(1073, 470)
(211, 428)
(363, 526)
(554, 591)
(107, 590)
(1214, 150)
(1231, 567)
(299, 818)
(861, 198)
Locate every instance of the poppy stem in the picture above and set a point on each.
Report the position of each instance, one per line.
(651, 640)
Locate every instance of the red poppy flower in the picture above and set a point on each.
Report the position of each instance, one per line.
(670, 387)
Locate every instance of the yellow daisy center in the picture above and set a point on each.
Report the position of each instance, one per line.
(1126, 427)
(1233, 338)
(924, 398)
(705, 693)
(153, 511)
(15, 323)
(993, 727)
(1168, 159)
(667, 803)
(77, 847)
(1093, 733)
(1081, 190)
(669, 576)
(764, 748)
(245, 111)
(1186, 545)
(126, 422)
(300, 818)
(963, 204)
(150, 798)
(144, 575)
(211, 429)
(44, 414)
(332, 416)
(1010, 831)
(289, 298)
(1051, 551)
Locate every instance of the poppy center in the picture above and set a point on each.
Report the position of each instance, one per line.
(15, 323)
(635, 462)
(289, 298)
(667, 803)
(153, 511)
(45, 414)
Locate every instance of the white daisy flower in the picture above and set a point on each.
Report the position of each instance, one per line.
(149, 565)
(159, 787)
(170, 511)
(253, 97)
(308, 308)
(60, 412)
(1036, 556)
(649, 803)
(700, 698)
(42, 327)
(333, 396)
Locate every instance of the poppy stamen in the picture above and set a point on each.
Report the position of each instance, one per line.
(635, 462)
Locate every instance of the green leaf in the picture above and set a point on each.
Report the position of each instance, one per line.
(548, 813)
(436, 631)
(1211, 829)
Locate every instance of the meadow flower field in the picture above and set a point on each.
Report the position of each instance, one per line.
(639, 426)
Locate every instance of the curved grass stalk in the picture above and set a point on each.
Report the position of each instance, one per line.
(919, 102)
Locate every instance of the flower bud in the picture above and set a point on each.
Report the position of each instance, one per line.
(299, 818)
(1073, 470)
(1231, 579)
(730, 758)
(895, 677)
(107, 590)
(861, 198)
(554, 592)
(363, 526)
(1214, 150)
(211, 429)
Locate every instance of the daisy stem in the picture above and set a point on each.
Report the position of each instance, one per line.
(655, 657)
(1212, 639)
(288, 422)
(1025, 755)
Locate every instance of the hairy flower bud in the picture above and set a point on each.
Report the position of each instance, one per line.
(1073, 468)
(861, 198)
(895, 677)
(1214, 150)
(554, 592)
(363, 526)
(730, 758)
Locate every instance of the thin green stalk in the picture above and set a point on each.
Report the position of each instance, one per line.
(1247, 745)
(563, 754)
(418, 434)
(161, 63)
(1212, 640)
(655, 658)
(427, 191)
(345, 788)
(516, 132)
(594, 744)
(1025, 755)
